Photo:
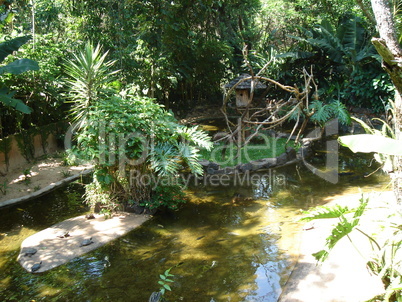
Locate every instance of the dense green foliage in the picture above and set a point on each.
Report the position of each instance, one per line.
(16, 67)
(136, 146)
(346, 65)
(182, 52)
(177, 55)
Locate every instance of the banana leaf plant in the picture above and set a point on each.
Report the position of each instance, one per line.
(381, 142)
(16, 67)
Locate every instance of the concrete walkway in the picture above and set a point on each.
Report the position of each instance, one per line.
(54, 251)
(343, 277)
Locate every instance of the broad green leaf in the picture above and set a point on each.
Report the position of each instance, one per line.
(368, 143)
(19, 66)
(8, 47)
(8, 100)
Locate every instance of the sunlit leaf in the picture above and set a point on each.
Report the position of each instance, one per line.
(368, 143)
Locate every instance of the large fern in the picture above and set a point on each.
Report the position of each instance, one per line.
(324, 112)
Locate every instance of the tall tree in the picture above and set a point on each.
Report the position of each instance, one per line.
(388, 47)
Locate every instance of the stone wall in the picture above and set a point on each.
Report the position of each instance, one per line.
(17, 150)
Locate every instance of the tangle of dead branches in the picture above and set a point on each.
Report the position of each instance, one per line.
(275, 112)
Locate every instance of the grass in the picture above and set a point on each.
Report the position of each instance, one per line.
(271, 147)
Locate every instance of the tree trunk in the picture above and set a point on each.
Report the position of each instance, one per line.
(388, 47)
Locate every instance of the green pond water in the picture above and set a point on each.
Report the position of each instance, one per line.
(218, 251)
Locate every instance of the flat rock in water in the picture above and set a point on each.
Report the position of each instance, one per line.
(54, 251)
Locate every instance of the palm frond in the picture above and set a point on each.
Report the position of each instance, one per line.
(386, 129)
(366, 127)
(328, 41)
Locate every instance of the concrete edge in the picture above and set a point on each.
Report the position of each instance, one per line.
(45, 190)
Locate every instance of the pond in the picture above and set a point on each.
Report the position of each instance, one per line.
(217, 249)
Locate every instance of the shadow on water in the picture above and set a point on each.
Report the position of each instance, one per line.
(218, 250)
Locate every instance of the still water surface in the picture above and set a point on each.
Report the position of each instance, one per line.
(218, 251)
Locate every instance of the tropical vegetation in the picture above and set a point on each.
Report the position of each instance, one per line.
(136, 146)
(155, 61)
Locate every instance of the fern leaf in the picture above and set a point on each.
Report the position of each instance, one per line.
(163, 159)
(322, 112)
(324, 212)
(198, 137)
(340, 111)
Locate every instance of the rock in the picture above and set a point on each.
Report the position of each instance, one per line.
(213, 166)
(269, 162)
(229, 170)
(155, 297)
(245, 167)
(204, 163)
(304, 152)
(210, 171)
(150, 211)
